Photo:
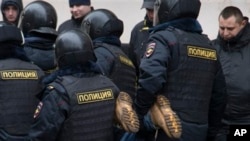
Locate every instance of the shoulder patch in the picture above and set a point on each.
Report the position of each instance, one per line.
(150, 49)
(38, 109)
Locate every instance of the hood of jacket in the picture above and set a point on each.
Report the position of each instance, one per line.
(17, 3)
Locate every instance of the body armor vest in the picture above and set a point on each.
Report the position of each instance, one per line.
(123, 73)
(20, 83)
(191, 75)
(92, 108)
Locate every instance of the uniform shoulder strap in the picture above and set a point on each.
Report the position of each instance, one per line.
(57, 85)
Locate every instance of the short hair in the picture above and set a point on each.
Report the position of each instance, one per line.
(232, 11)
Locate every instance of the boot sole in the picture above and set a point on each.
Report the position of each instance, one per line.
(128, 117)
(173, 128)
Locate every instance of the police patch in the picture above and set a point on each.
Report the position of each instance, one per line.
(150, 49)
(95, 96)
(38, 109)
(125, 61)
(18, 74)
(204, 53)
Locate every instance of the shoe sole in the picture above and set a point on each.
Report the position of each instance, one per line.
(173, 128)
(129, 118)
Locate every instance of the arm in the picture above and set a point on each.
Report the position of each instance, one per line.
(153, 74)
(49, 116)
(217, 105)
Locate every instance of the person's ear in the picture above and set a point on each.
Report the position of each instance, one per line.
(244, 21)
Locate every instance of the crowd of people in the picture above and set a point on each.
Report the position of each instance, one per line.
(78, 81)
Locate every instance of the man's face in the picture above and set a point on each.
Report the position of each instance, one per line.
(11, 13)
(229, 28)
(79, 11)
(150, 14)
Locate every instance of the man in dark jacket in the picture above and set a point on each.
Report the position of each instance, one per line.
(140, 34)
(233, 46)
(20, 83)
(180, 75)
(11, 10)
(79, 9)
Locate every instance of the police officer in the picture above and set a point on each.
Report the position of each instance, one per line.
(78, 9)
(39, 20)
(79, 103)
(11, 10)
(180, 71)
(140, 34)
(105, 30)
(20, 83)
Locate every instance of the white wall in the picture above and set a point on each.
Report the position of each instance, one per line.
(130, 12)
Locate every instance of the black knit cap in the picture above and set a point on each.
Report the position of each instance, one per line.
(79, 2)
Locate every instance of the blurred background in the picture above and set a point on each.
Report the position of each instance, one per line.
(131, 13)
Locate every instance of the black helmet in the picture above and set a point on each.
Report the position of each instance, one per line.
(9, 33)
(102, 22)
(38, 14)
(167, 10)
(74, 47)
(44, 32)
